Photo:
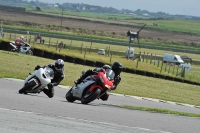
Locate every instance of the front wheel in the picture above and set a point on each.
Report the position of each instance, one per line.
(29, 52)
(69, 96)
(89, 97)
(27, 87)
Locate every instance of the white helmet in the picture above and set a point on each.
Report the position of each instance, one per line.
(22, 37)
(59, 64)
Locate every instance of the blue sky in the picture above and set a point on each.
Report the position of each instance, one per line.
(181, 7)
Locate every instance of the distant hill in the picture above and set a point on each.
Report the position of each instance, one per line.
(98, 9)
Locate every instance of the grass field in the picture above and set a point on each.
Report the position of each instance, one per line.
(183, 26)
(193, 75)
(20, 65)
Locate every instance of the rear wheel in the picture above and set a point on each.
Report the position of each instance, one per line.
(69, 96)
(27, 87)
(29, 52)
(90, 96)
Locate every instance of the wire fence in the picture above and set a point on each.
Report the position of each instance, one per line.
(103, 41)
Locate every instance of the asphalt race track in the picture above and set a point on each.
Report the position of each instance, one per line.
(36, 113)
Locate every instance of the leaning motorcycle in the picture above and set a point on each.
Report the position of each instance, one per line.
(92, 87)
(37, 80)
(26, 48)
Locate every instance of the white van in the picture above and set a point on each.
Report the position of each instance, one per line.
(172, 58)
(130, 53)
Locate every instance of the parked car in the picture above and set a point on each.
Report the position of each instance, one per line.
(101, 51)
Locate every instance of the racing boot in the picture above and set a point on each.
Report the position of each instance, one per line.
(49, 92)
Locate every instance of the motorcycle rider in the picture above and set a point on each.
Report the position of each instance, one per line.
(58, 69)
(19, 42)
(116, 67)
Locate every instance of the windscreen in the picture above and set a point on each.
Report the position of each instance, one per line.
(49, 72)
(178, 58)
(110, 74)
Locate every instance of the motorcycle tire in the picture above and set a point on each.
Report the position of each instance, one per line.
(69, 96)
(27, 87)
(29, 52)
(90, 97)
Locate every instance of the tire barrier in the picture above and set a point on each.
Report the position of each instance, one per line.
(169, 78)
(79, 61)
(38, 52)
(59, 56)
(178, 80)
(150, 74)
(195, 83)
(128, 70)
(189, 82)
(70, 59)
(140, 72)
(160, 76)
(90, 63)
(5, 46)
(124, 69)
(99, 64)
(48, 55)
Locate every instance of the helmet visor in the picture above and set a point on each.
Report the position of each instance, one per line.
(58, 67)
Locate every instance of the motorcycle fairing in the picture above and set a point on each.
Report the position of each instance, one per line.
(43, 80)
(79, 89)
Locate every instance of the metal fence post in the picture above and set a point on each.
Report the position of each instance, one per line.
(138, 60)
(173, 69)
(151, 59)
(143, 56)
(90, 46)
(110, 57)
(109, 51)
(29, 39)
(169, 68)
(81, 48)
(70, 45)
(85, 51)
(49, 41)
(106, 51)
(57, 45)
(177, 71)
(147, 57)
(161, 67)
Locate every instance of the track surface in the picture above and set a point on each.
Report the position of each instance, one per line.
(35, 113)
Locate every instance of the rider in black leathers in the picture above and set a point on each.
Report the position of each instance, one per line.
(58, 69)
(116, 67)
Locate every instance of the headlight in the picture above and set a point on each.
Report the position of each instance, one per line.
(107, 86)
(101, 78)
(47, 74)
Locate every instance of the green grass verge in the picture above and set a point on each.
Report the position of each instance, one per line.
(15, 65)
(157, 110)
(193, 75)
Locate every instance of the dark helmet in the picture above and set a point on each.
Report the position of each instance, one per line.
(117, 67)
(59, 64)
(106, 67)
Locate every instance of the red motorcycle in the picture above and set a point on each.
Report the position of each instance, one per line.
(92, 87)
